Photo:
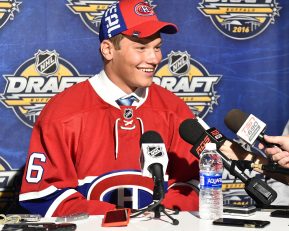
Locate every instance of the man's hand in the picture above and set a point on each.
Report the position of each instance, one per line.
(234, 151)
(276, 153)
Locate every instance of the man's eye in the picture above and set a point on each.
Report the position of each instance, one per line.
(141, 48)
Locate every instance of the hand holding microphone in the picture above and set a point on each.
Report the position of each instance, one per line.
(279, 155)
(249, 128)
(193, 132)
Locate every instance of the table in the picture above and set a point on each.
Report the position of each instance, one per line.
(188, 221)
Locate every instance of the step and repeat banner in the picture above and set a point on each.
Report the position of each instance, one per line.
(228, 54)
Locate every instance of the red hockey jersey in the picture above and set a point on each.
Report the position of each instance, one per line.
(84, 154)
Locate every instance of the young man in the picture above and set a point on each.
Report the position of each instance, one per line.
(84, 154)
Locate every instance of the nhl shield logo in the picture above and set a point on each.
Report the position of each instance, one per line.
(155, 151)
(128, 113)
(179, 63)
(46, 62)
(127, 122)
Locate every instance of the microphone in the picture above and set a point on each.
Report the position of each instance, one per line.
(193, 132)
(247, 127)
(154, 161)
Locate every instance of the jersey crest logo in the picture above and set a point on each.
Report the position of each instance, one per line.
(7, 10)
(35, 82)
(240, 19)
(126, 188)
(189, 80)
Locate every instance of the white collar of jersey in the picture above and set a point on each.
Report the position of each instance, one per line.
(109, 92)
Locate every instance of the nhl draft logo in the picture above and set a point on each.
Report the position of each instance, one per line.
(91, 11)
(240, 19)
(35, 82)
(7, 9)
(155, 151)
(189, 80)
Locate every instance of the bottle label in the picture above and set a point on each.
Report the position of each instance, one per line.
(210, 181)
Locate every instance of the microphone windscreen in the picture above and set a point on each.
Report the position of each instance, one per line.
(150, 137)
(235, 119)
(190, 130)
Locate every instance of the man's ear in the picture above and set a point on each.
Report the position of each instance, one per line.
(107, 49)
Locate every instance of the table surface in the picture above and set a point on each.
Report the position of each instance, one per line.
(187, 221)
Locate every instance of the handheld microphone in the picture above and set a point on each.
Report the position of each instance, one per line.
(154, 161)
(247, 127)
(192, 132)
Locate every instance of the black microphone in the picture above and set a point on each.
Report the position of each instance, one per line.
(154, 161)
(192, 132)
(247, 127)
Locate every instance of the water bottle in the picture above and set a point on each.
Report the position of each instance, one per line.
(210, 196)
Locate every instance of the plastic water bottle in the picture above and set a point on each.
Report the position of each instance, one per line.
(210, 196)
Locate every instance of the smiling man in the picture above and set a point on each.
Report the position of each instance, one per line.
(84, 154)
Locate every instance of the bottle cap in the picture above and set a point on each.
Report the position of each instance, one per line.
(211, 146)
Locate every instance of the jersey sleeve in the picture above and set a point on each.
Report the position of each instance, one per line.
(183, 168)
(49, 185)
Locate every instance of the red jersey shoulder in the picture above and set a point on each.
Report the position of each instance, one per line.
(73, 100)
(161, 97)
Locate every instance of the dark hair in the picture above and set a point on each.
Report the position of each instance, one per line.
(115, 40)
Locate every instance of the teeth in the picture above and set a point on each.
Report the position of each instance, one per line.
(147, 69)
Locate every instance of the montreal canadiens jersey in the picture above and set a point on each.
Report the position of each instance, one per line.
(84, 154)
